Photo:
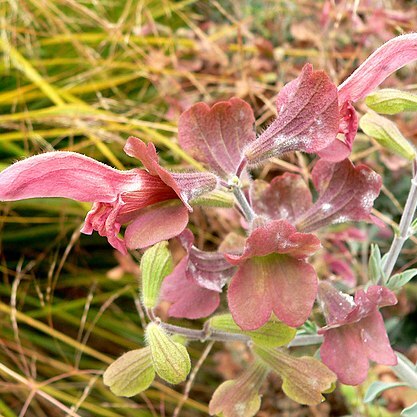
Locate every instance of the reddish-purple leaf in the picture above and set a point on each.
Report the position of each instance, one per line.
(156, 224)
(275, 283)
(391, 56)
(307, 118)
(188, 299)
(355, 331)
(344, 353)
(277, 236)
(346, 193)
(286, 197)
(217, 136)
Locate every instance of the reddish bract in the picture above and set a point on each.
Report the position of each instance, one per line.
(355, 331)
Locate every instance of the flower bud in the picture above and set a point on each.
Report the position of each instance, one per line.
(391, 101)
(170, 359)
(386, 133)
(155, 265)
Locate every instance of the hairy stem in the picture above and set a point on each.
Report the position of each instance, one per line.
(219, 336)
(243, 203)
(404, 227)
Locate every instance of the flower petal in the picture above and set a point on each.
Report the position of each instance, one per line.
(307, 119)
(156, 224)
(346, 193)
(391, 56)
(274, 283)
(375, 339)
(286, 197)
(66, 174)
(344, 353)
(218, 135)
(188, 300)
(277, 236)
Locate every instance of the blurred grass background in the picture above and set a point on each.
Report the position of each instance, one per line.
(83, 76)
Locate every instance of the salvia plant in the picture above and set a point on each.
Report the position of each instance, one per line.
(263, 268)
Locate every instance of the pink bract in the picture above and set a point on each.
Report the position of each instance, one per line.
(118, 196)
(307, 118)
(273, 277)
(346, 193)
(355, 331)
(218, 135)
(193, 287)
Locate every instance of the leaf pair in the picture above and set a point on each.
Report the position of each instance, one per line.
(135, 371)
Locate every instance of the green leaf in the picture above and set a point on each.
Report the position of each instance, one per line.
(376, 388)
(170, 359)
(272, 334)
(303, 379)
(395, 282)
(391, 101)
(156, 264)
(375, 264)
(131, 374)
(240, 397)
(386, 133)
(410, 411)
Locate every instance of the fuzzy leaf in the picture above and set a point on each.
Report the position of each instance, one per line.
(378, 387)
(216, 198)
(395, 282)
(410, 411)
(156, 264)
(304, 379)
(218, 135)
(307, 118)
(131, 374)
(375, 268)
(346, 193)
(170, 359)
(271, 334)
(286, 197)
(387, 134)
(391, 101)
(188, 299)
(240, 397)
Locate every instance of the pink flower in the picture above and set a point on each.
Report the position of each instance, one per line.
(273, 276)
(194, 287)
(144, 198)
(355, 331)
(387, 59)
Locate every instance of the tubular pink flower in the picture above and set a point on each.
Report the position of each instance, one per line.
(143, 198)
(387, 59)
(355, 331)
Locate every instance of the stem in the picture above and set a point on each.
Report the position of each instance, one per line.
(243, 203)
(405, 372)
(219, 336)
(404, 227)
